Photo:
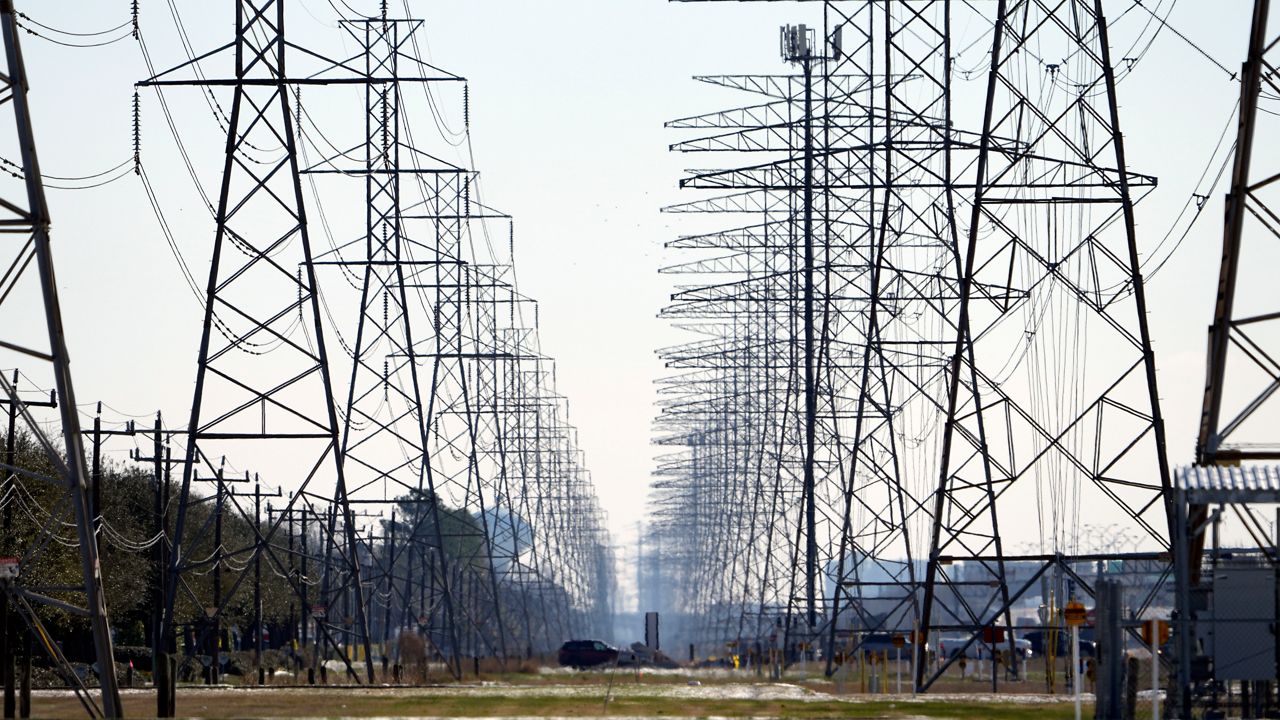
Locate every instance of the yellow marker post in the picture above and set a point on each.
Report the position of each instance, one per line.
(898, 641)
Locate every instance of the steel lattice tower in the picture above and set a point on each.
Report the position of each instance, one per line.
(442, 349)
(859, 242)
(470, 404)
(33, 338)
(1051, 264)
(1237, 421)
(382, 416)
(964, 303)
(263, 382)
(913, 164)
(1243, 338)
(767, 388)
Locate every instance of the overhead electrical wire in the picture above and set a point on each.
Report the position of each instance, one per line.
(74, 44)
(108, 31)
(1165, 24)
(241, 343)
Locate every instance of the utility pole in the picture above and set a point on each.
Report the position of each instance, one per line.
(391, 590)
(799, 49)
(257, 579)
(292, 517)
(810, 357)
(9, 634)
(294, 616)
(215, 666)
(6, 654)
(163, 664)
(95, 472)
(324, 600)
(426, 571)
(258, 549)
(307, 615)
(213, 613)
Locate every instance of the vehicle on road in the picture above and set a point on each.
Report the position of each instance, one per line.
(1039, 640)
(978, 650)
(582, 654)
(883, 643)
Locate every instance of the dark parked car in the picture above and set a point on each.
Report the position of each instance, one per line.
(883, 643)
(1039, 643)
(581, 654)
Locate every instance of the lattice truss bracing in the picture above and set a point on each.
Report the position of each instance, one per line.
(1244, 342)
(1238, 412)
(854, 207)
(364, 320)
(945, 300)
(1054, 404)
(52, 572)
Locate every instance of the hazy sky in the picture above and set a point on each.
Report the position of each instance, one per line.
(568, 98)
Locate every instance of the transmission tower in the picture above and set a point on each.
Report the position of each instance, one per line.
(383, 414)
(765, 393)
(445, 373)
(263, 384)
(450, 400)
(1238, 416)
(979, 330)
(913, 161)
(1237, 419)
(1052, 395)
(38, 346)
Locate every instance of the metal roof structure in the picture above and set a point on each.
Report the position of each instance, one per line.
(1219, 484)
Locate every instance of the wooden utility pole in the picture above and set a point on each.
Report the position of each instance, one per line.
(163, 662)
(9, 636)
(96, 435)
(259, 547)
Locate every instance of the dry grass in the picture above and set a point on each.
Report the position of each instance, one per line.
(577, 700)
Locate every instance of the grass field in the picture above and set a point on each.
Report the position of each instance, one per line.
(578, 696)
